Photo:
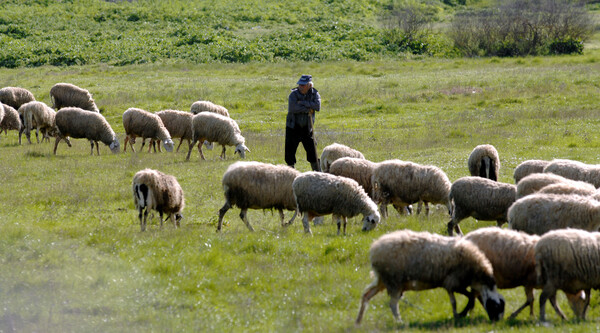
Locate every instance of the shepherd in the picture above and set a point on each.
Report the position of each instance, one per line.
(303, 102)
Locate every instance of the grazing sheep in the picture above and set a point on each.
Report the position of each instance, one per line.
(178, 123)
(11, 120)
(577, 187)
(255, 185)
(15, 96)
(154, 190)
(404, 183)
(484, 162)
(319, 194)
(567, 259)
(69, 95)
(335, 151)
(138, 122)
(206, 106)
(537, 214)
(537, 181)
(82, 124)
(212, 127)
(41, 116)
(481, 198)
(407, 260)
(575, 170)
(529, 167)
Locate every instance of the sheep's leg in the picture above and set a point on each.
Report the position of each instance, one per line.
(394, 299)
(131, 142)
(345, 220)
(292, 219)
(143, 143)
(244, 217)
(58, 138)
(92, 144)
(528, 303)
(28, 135)
(373, 289)
(143, 224)
(338, 220)
(201, 153)
(125, 145)
(587, 303)
(282, 217)
(426, 208)
(223, 153)
(37, 134)
(152, 143)
(222, 212)
(68, 141)
(383, 210)
(549, 293)
(190, 150)
(419, 207)
(451, 227)
(20, 133)
(453, 303)
(178, 218)
(160, 216)
(180, 142)
(140, 216)
(470, 304)
(97, 148)
(306, 223)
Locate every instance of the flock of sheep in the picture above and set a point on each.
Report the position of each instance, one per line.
(552, 210)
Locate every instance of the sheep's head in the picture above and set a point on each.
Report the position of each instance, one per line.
(493, 302)
(370, 221)
(241, 149)
(114, 146)
(168, 144)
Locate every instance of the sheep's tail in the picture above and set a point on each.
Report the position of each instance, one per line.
(53, 99)
(141, 195)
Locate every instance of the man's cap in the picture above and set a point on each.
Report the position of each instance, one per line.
(305, 79)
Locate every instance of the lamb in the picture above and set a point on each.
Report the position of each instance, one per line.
(207, 106)
(69, 95)
(529, 167)
(575, 170)
(318, 194)
(408, 260)
(41, 116)
(567, 259)
(138, 122)
(258, 185)
(212, 127)
(82, 124)
(11, 120)
(537, 181)
(154, 190)
(15, 96)
(335, 151)
(481, 198)
(404, 183)
(537, 214)
(178, 123)
(484, 162)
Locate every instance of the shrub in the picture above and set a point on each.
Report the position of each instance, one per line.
(566, 46)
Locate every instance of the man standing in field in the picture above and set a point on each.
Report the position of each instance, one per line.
(303, 101)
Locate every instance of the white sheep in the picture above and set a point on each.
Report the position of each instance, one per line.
(484, 162)
(255, 185)
(70, 95)
(178, 123)
(11, 120)
(39, 115)
(207, 106)
(529, 167)
(83, 124)
(567, 260)
(480, 198)
(319, 194)
(154, 190)
(15, 96)
(535, 182)
(576, 187)
(408, 260)
(537, 214)
(335, 151)
(138, 122)
(212, 127)
(575, 170)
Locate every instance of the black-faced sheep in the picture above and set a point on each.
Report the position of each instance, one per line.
(212, 127)
(335, 151)
(407, 260)
(82, 124)
(575, 170)
(319, 194)
(480, 198)
(255, 185)
(529, 167)
(154, 190)
(537, 181)
(15, 96)
(70, 95)
(141, 123)
(207, 106)
(39, 115)
(484, 162)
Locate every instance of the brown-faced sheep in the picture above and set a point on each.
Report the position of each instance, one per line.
(575, 170)
(39, 115)
(154, 190)
(529, 167)
(207, 106)
(335, 151)
(484, 162)
(70, 95)
(15, 96)
(141, 123)
(82, 124)
(212, 127)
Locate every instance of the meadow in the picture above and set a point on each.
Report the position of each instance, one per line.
(74, 259)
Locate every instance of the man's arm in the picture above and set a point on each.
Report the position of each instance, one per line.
(315, 102)
(295, 106)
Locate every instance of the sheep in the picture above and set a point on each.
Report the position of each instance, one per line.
(484, 162)
(69, 95)
(539, 213)
(258, 185)
(404, 183)
(138, 122)
(41, 116)
(575, 170)
(212, 127)
(335, 151)
(154, 190)
(318, 194)
(1, 112)
(78, 124)
(527, 168)
(567, 259)
(201, 106)
(577, 188)
(481, 198)
(178, 123)
(408, 260)
(15, 96)
(537, 181)
(11, 120)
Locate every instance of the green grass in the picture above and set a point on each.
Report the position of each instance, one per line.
(73, 258)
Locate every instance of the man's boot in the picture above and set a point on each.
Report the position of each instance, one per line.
(315, 166)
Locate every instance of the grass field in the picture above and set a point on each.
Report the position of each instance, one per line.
(74, 259)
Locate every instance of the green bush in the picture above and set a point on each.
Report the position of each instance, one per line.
(566, 46)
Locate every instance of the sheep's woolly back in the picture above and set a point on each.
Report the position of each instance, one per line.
(37, 113)
(320, 194)
(11, 119)
(214, 127)
(167, 192)
(539, 213)
(178, 123)
(575, 187)
(481, 198)
(15, 96)
(511, 254)
(138, 122)
(83, 124)
(70, 95)
(475, 161)
(258, 185)
(537, 181)
(207, 106)
(358, 169)
(529, 167)
(335, 151)
(575, 170)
